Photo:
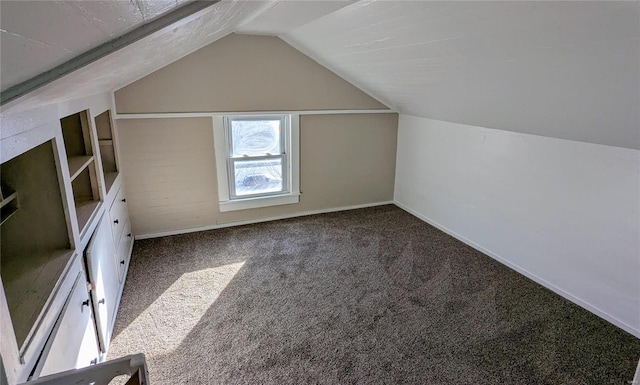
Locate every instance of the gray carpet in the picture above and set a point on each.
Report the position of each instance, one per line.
(370, 296)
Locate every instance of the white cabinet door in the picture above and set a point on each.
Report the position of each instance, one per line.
(73, 342)
(123, 252)
(103, 278)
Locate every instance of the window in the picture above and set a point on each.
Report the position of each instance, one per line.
(257, 160)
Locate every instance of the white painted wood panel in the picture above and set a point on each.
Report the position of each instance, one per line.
(29, 24)
(564, 213)
(73, 344)
(104, 279)
(559, 69)
(283, 16)
(123, 252)
(140, 58)
(118, 214)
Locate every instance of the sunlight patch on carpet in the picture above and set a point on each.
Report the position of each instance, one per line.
(172, 316)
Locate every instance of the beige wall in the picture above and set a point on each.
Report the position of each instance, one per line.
(170, 171)
(242, 73)
(169, 164)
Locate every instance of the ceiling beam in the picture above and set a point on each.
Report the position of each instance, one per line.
(103, 50)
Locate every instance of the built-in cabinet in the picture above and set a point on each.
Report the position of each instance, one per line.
(121, 230)
(73, 342)
(104, 269)
(66, 244)
(35, 246)
(102, 272)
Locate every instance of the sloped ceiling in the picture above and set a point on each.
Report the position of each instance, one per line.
(119, 68)
(569, 70)
(31, 46)
(38, 35)
(280, 17)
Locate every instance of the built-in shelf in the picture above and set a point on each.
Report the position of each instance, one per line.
(84, 210)
(109, 179)
(104, 129)
(48, 219)
(29, 281)
(77, 164)
(8, 199)
(35, 245)
(78, 144)
(8, 203)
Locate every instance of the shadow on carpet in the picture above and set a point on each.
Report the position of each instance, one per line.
(369, 296)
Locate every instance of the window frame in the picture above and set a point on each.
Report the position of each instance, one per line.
(290, 155)
(231, 159)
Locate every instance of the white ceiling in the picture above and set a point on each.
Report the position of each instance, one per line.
(562, 69)
(280, 17)
(38, 35)
(131, 62)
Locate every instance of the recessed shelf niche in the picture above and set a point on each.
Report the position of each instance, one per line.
(35, 246)
(104, 128)
(76, 132)
(8, 202)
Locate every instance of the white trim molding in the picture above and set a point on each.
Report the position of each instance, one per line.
(254, 203)
(174, 115)
(292, 146)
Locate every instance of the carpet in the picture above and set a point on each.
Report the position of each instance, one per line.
(368, 296)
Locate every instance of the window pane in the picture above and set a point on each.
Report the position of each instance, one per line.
(255, 137)
(258, 176)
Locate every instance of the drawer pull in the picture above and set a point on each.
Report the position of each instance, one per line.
(124, 200)
(116, 221)
(122, 262)
(101, 301)
(85, 303)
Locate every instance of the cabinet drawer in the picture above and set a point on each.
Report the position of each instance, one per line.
(123, 252)
(119, 214)
(73, 343)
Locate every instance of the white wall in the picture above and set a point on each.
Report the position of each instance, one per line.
(564, 213)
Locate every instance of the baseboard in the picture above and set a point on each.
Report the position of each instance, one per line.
(636, 378)
(259, 220)
(606, 316)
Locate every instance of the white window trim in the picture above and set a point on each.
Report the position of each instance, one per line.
(292, 147)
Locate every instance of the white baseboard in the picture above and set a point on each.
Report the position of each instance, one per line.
(258, 220)
(526, 273)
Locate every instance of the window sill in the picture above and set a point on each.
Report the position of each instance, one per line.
(253, 203)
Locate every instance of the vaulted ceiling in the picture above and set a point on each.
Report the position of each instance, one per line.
(36, 35)
(569, 70)
(38, 20)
